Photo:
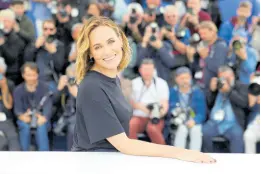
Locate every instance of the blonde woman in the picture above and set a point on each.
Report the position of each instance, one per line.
(102, 113)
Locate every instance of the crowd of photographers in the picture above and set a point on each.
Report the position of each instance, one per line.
(193, 80)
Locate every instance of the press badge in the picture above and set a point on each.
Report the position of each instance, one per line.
(198, 75)
(219, 115)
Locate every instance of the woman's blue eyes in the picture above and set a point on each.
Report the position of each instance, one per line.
(110, 42)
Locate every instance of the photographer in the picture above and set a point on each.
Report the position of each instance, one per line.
(161, 52)
(64, 20)
(208, 55)
(228, 99)
(23, 26)
(132, 23)
(238, 22)
(188, 108)
(27, 98)
(92, 9)
(194, 16)
(107, 7)
(11, 46)
(7, 127)
(66, 94)
(252, 132)
(150, 96)
(243, 57)
(176, 35)
(154, 12)
(48, 52)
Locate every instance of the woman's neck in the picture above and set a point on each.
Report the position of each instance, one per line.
(106, 72)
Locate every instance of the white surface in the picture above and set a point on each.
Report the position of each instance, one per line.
(117, 163)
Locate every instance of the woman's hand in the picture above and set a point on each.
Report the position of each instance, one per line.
(195, 156)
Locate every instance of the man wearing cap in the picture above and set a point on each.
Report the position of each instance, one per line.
(187, 105)
(243, 58)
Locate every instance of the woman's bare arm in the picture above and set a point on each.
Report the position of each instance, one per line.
(141, 148)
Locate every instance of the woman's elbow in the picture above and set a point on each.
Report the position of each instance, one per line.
(121, 142)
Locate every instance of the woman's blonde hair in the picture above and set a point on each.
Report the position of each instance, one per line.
(83, 65)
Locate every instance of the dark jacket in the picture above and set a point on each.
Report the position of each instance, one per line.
(47, 62)
(239, 101)
(24, 100)
(12, 51)
(163, 59)
(26, 32)
(8, 112)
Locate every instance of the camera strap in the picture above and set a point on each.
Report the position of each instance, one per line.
(187, 103)
(55, 76)
(145, 89)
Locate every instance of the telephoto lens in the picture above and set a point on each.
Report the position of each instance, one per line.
(220, 83)
(133, 17)
(154, 28)
(50, 39)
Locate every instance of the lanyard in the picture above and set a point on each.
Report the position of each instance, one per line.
(145, 89)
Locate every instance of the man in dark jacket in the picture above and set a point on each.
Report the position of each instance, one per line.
(11, 46)
(161, 52)
(48, 52)
(23, 26)
(228, 99)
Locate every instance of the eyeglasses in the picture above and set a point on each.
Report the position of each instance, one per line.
(51, 29)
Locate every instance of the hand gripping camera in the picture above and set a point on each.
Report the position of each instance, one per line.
(179, 116)
(155, 112)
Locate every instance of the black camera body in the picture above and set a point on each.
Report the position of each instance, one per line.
(254, 87)
(71, 81)
(50, 38)
(220, 83)
(63, 13)
(179, 116)
(154, 28)
(155, 112)
(33, 123)
(133, 17)
(180, 34)
(237, 44)
(168, 27)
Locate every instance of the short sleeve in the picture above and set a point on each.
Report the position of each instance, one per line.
(99, 117)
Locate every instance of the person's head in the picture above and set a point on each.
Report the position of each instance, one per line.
(153, 3)
(147, 69)
(171, 15)
(71, 70)
(49, 28)
(225, 72)
(76, 29)
(136, 10)
(7, 17)
(65, 5)
(244, 10)
(93, 9)
(207, 30)
(18, 7)
(3, 66)
(183, 77)
(195, 5)
(102, 45)
(30, 73)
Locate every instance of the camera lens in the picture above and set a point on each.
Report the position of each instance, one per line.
(237, 45)
(155, 120)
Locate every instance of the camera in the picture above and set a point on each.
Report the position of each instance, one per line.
(33, 123)
(71, 81)
(1, 30)
(150, 11)
(168, 27)
(66, 118)
(195, 39)
(237, 44)
(220, 83)
(155, 112)
(50, 38)
(154, 28)
(180, 34)
(179, 116)
(254, 87)
(63, 13)
(133, 17)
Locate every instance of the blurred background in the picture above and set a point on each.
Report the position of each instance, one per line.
(193, 80)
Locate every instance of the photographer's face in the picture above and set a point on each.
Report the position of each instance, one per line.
(228, 77)
(184, 80)
(49, 29)
(18, 9)
(171, 17)
(106, 48)
(8, 23)
(194, 4)
(206, 34)
(30, 76)
(76, 32)
(243, 12)
(146, 71)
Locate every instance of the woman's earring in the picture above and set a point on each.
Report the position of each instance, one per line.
(91, 60)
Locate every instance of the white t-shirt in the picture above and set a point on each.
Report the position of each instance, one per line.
(156, 92)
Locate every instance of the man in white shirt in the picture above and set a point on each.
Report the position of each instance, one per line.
(150, 97)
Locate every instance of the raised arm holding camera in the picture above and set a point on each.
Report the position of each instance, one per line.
(243, 57)
(228, 99)
(33, 107)
(49, 54)
(160, 51)
(150, 102)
